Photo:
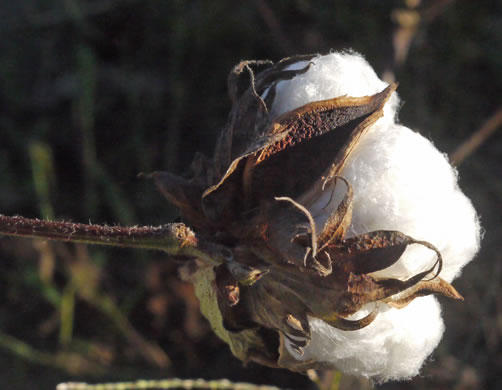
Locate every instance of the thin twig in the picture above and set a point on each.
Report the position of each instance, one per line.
(408, 22)
(489, 127)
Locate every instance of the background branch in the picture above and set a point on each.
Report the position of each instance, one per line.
(477, 138)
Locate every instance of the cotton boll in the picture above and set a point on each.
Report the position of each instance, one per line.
(400, 182)
(394, 346)
(329, 76)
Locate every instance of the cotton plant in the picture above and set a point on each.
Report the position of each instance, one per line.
(322, 227)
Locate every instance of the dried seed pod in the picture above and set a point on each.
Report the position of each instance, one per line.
(255, 201)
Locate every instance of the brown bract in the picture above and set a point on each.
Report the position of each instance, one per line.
(253, 201)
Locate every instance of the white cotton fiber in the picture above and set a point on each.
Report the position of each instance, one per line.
(401, 182)
(393, 347)
(333, 75)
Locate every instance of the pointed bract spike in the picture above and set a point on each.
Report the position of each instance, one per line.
(283, 75)
(389, 287)
(317, 118)
(245, 275)
(294, 323)
(339, 221)
(379, 101)
(424, 288)
(285, 62)
(439, 261)
(344, 324)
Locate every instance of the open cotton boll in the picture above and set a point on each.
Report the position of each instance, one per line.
(332, 75)
(393, 347)
(400, 182)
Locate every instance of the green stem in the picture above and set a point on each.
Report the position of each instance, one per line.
(164, 384)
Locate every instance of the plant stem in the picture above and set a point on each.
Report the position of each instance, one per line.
(173, 383)
(175, 238)
(480, 136)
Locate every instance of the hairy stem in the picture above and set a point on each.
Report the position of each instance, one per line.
(175, 238)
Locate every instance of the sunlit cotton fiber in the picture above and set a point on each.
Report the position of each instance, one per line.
(401, 182)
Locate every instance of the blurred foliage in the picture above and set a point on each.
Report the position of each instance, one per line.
(94, 92)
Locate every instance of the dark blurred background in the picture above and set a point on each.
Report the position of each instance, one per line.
(94, 92)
